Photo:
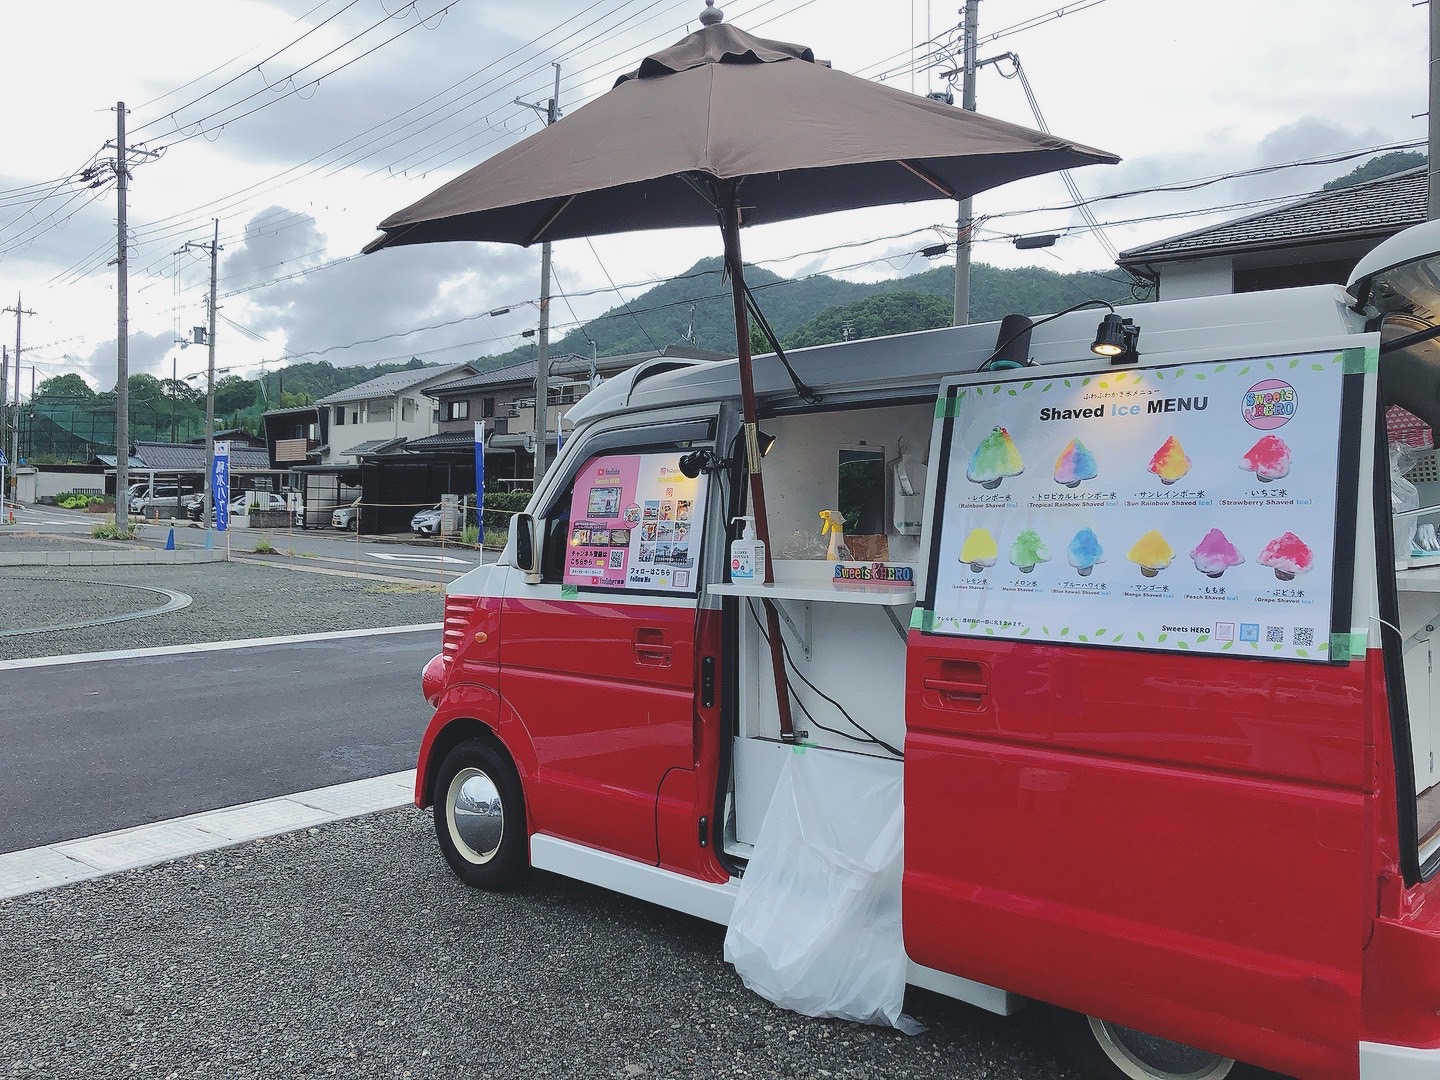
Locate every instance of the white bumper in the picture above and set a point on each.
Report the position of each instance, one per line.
(1380, 1061)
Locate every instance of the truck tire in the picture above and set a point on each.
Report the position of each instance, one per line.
(1101, 1050)
(480, 816)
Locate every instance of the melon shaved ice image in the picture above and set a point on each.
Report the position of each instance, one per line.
(994, 459)
(1075, 464)
(1215, 554)
(1170, 462)
(1287, 555)
(979, 550)
(1028, 550)
(1152, 553)
(1084, 551)
(1268, 459)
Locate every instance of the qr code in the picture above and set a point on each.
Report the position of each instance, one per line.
(1304, 635)
(1275, 634)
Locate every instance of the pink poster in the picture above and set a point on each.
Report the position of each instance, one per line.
(634, 523)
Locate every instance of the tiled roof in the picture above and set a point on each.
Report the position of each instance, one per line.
(111, 460)
(389, 385)
(373, 446)
(445, 440)
(569, 365)
(188, 457)
(1379, 209)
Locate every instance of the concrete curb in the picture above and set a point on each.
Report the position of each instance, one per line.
(109, 558)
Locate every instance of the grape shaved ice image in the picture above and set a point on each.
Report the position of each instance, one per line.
(1287, 555)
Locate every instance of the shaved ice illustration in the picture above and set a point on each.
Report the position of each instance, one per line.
(1084, 551)
(1075, 463)
(1170, 462)
(994, 459)
(1268, 459)
(1152, 553)
(1215, 554)
(1287, 555)
(1027, 550)
(979, 550)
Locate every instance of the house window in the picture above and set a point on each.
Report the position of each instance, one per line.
(383, 411)
(408, 409)
(340, 416)
(355, 416)
(487, 408)
(457, 410)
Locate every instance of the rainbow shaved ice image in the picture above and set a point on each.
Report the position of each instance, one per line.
(1215, 554)
(994, 459)
(1084, 551)
(1287, 555)
(979, 550)
(1268, 459)
(1075, 463)
(1170, 462)
(1027, 550)
(1152, 553)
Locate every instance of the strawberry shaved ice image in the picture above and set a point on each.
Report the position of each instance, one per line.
(1268, 459)
(1215, 554)
(1287, 555)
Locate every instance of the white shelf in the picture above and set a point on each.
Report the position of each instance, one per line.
(882, 595)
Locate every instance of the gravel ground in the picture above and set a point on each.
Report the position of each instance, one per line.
(231, 600)
(351, 951)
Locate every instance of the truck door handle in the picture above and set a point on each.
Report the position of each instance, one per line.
(650, 647)
(970, 693)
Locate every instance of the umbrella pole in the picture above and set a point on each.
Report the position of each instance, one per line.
(730, 228)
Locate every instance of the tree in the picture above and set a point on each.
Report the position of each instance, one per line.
(875, 316)
(1376, 167)
(65, 386)
(232, 393)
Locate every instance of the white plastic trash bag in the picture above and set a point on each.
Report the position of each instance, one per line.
(816, 926)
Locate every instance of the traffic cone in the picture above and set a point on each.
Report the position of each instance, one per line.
(170, 540)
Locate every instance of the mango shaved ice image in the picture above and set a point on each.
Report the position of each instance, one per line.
(1287, 555)
(1075, 464)
(994, 459)
(1084, 551)
(979, 550)
(1170, 462)
(1152, 553)
(1215, 554)
(1027, 550)
(1268, 459)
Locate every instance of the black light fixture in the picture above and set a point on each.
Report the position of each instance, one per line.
(1116, 339)
(765, 441)
(699, 461)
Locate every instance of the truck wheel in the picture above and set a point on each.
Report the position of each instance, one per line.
(480, 816)
(1105, 1051)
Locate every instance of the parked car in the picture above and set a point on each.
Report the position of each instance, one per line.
(427, 521)
(346, 517)
(164, 499)
(241, 504)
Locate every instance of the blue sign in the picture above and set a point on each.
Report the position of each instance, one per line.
(480, 478)
(220, 486)
(3, 459)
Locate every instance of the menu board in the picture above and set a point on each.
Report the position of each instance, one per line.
(635, 522)
(1188, 508)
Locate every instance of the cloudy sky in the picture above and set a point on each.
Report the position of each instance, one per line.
(300, 124)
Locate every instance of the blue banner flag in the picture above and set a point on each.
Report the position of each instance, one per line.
(480, 477)
(220, 486)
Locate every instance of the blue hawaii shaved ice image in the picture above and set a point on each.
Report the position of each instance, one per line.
(1084, 551)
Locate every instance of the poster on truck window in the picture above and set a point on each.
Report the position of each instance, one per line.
(635, 522)
(1181, 508)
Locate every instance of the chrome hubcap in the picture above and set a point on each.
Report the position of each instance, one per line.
(1149, 1057)
(475, 814)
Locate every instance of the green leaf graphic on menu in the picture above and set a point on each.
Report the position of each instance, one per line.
(1302, 652)
(1269, 366)
(1045, 388)
(1245, 370)
(1139, 635)
(1162, 637)
(990, 630)
(1067, 382)
(1082, 637)
(1085, 381)
(1202, 638)
(1100, 632)
(1226, 645)
(1064, 631)
(1027, 384)
(1182, 643)
(1317, 367)
(1199, 375)
(1295, 362)
(1045, 630)
(1116, 638)
(1220, 367)
(1025, 631)
(1012, 393)
(1159, 375)
(1104, 385)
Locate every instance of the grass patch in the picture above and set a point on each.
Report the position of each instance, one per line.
(108, 530)
(396, 589)
(264, 547)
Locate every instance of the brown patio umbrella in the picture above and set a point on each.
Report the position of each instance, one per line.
(727, 128)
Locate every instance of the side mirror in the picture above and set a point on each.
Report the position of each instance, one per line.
(525, 536)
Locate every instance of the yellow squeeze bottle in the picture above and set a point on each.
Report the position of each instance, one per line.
(833, 523)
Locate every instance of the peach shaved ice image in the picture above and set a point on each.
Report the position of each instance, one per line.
(1152, 553)
(994, 459)
(1075, 464)
(1287, 555)
(1170, 462)
(1215, 554)
(1028, 550)
(1268, 459)
(979, 550)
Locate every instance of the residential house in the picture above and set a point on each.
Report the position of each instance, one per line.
(1313, 241)
(383, 413)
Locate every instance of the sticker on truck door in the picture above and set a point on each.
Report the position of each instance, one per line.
(1189, 508)
(632, 524)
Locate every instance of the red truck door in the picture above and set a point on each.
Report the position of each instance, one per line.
(1135, 764)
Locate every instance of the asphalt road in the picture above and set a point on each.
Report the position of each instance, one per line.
(92, 747)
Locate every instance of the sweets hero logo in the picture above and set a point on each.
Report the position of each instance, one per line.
(1269, 404)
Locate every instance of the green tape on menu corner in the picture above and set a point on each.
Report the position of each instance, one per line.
(922, 620)
(569, 592)
(1348, 646)
(1360, 361)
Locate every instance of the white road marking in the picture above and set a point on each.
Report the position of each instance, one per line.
(401, 557)
(213, 646)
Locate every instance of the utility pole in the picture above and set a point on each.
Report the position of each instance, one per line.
(214, 249)
(18, 310)
(551, 113)
(122, 333)
(1432, 209)
(965, 220)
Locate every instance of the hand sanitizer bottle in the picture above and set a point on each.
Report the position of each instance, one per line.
(747, 553)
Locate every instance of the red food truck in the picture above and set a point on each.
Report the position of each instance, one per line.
(1137, 621)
